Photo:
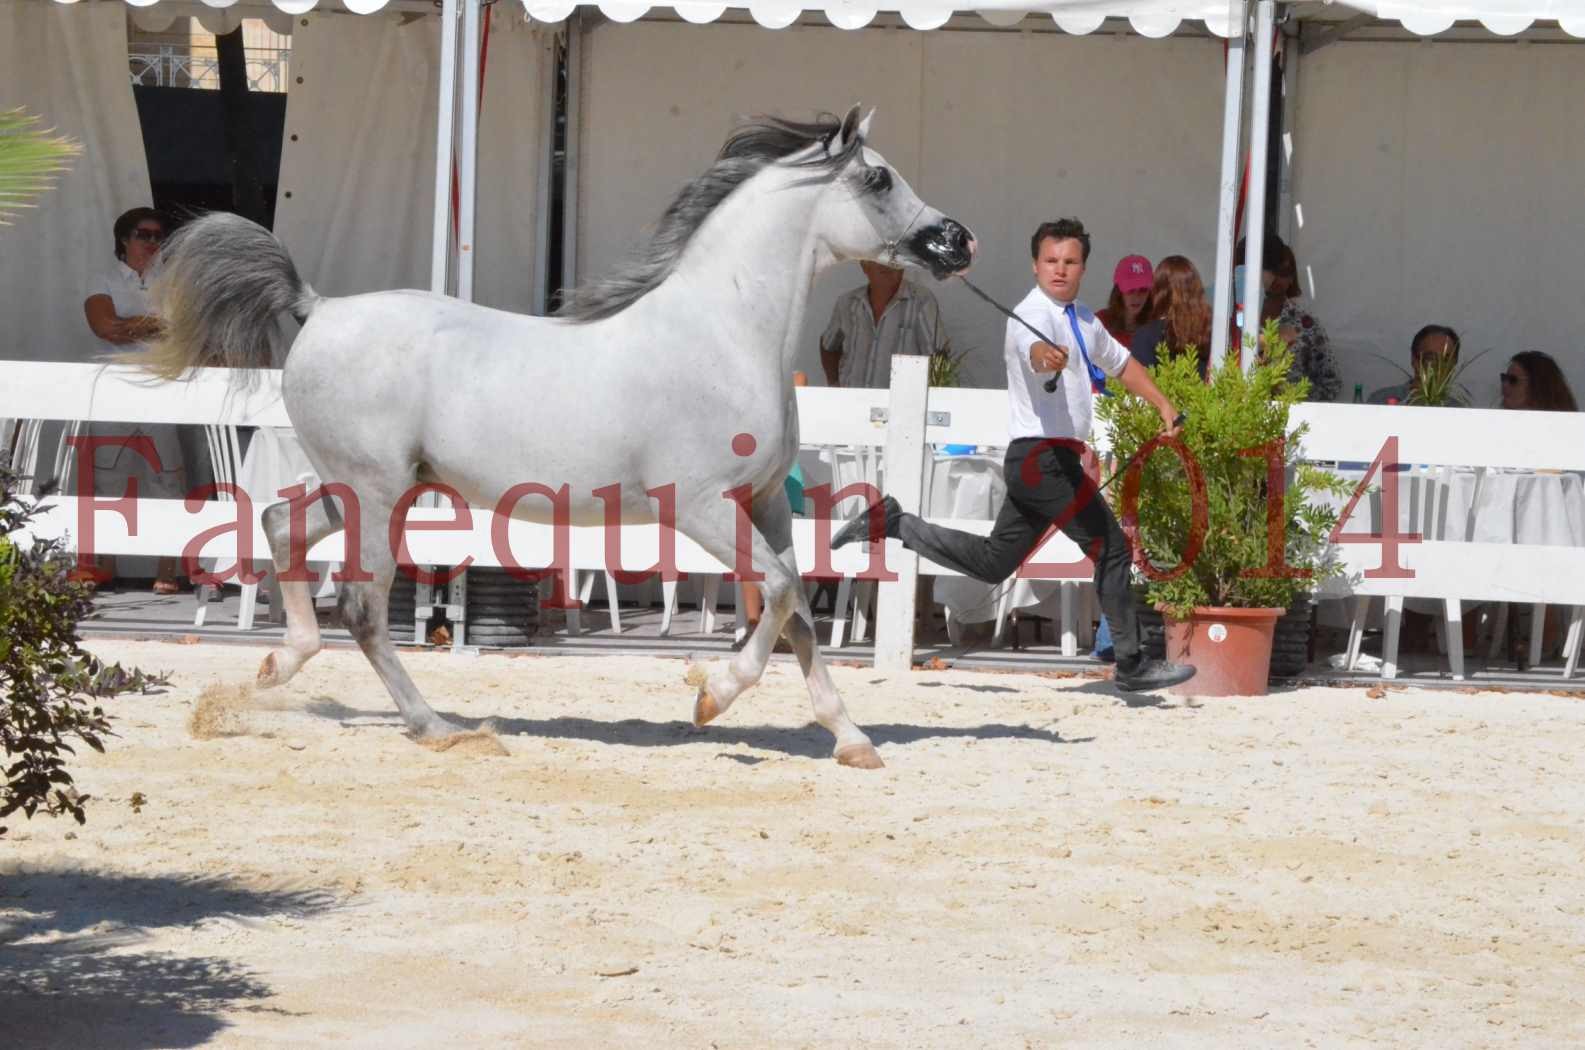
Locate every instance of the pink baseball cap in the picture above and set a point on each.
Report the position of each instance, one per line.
(1134, 274)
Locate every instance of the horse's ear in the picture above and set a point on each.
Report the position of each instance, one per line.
(851, 129)
(864, 125)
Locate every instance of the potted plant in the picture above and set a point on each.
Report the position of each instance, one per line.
(1225, 561)
(946, 365)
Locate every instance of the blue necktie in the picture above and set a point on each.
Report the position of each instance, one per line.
(1097, 377)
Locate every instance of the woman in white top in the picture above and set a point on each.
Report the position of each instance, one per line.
(120, 313)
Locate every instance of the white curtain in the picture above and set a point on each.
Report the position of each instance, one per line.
(356, 195)
(1439, 182)
(998, 130)
(68, 66)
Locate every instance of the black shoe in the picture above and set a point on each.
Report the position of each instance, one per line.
(867, 525)
(1151, 674)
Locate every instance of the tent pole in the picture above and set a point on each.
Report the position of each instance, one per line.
(573, 144)
(468, 150)
(1232, 114)
(546, 164)
(1259, 139)
(440, 242)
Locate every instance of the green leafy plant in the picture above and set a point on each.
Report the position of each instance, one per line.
(1237, 427)
(30, 158)
(50, 687)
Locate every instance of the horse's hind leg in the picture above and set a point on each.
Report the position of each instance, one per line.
(365, 613)
(302, 627)
(853, 748)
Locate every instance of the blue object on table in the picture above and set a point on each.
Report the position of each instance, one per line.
(958, 450)
(795, 488)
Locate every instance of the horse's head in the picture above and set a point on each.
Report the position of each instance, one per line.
(871, 213)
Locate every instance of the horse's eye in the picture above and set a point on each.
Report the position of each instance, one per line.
(877, 180)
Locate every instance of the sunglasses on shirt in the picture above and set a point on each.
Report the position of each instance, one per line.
(148, 236)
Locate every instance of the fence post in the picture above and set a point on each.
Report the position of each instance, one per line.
(903, 478)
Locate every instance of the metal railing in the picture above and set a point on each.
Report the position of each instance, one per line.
(269, 69)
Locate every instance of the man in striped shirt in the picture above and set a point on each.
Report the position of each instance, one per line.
(890, 315)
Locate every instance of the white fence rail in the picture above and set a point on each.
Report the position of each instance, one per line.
(899, 424)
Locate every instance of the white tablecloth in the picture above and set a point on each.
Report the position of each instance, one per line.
(1477, 506)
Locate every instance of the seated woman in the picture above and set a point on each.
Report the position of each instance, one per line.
(1304, 334)
(1181, 318)
(1129, 305)
(120, 313)
(1533, 381)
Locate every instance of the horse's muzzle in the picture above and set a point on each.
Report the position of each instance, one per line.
(945, 248)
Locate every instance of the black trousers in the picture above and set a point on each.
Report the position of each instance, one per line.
(1042, 483)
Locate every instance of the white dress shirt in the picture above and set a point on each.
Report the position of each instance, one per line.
(129, 291)
(1070, 410)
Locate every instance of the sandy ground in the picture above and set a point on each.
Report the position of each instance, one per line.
(1038, 865)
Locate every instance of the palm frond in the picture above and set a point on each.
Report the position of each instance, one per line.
(30, 159)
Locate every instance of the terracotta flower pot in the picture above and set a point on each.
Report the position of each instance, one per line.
(1229, 649)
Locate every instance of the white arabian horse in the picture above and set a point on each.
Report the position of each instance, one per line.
(643, 380)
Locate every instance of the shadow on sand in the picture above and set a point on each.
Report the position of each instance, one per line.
(72, 974)
(809, 741)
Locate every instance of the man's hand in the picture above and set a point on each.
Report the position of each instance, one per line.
(1170, 427)
(1043, 357)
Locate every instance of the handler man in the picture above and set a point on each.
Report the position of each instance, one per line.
(1043, 469)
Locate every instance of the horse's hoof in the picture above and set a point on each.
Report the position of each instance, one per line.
(439, 729)
(269, 674)
(860, 756)
(705, 709)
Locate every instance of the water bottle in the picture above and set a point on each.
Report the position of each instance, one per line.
(1359, 393)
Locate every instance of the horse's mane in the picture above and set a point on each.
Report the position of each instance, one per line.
(752, 147)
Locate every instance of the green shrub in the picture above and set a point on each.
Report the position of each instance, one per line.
(49, 687)
(1228, 415)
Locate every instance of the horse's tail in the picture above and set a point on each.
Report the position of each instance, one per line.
(223, 282)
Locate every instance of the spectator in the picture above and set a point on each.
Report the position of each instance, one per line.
(1180, 316)
(1533, 381)
(1300, 329)
(889, 315)
(1129, 304)
(119, 312)
(1434, 341)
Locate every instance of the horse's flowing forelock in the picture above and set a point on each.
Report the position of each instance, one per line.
(750, 149)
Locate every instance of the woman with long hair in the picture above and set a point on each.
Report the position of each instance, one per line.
(1306, 337)
(1180, 316)
(1533, 381)
(1129, 305)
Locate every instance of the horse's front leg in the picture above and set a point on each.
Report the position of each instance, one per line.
(786, 613)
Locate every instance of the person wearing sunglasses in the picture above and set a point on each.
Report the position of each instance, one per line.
(1534, 381)
(118, 309)
(121, 314)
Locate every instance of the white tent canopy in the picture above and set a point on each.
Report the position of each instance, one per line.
(1336, 139)
(1154, 18)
